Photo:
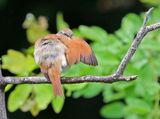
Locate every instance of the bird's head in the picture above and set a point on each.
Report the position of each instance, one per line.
(67, 32)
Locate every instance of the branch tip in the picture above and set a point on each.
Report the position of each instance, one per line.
(132, 77)
(147, 15)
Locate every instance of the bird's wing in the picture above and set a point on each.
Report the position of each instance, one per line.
(79, 50)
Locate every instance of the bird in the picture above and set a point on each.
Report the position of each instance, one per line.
(56, 52)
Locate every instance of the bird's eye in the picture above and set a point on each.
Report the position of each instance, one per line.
(68, 34)
(45, 42)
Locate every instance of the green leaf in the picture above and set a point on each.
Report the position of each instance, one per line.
(29, 20)
(110, 95)
(61, 24)
(58, 103)
(137, 106)
(128, 24)
(128, 28)
(113, 110)
(35, 33)
(29, 104)
(121, 86)
(144, 90)
(43, 95)
(143, 86)
(35, 110)
(107, 93)
(18, 63)
(80, 70)
(116, 44)
(134, 69)
(94, 33)
(30, 50)
(74, 87)
(133, 116)
(19, 96)
(155, 14)
(91, 90)
(35, 28)
(151, 2)
(8, 87)
(149, 43)
(76, 32)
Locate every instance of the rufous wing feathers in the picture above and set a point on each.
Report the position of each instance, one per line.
(79, 50)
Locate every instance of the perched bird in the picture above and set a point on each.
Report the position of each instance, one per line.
(55, 52)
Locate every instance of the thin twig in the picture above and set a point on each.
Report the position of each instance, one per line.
(146, 17)
(153, 27)
(137, 40)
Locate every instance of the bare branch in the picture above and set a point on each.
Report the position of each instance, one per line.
(0, 71)
(39, 80)
(137, 40)
(153, 27)
(3, 114)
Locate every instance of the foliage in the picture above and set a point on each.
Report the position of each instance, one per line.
(137, 99)
(151, 2)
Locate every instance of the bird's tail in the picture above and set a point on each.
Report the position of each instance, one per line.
(54, 76)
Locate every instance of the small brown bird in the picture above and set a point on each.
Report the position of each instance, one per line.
(55, 52)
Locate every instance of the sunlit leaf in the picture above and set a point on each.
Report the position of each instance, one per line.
(17, 63)
(35, 110)
(57, 103)
(60, 22)
(109, 94)
(35, 28)
(28, 105)
(113, 110)
(133, 116)
(137, 106)
(8, 87)
(35, 33)
(73, 87)
(91, 90)
(43, 95)
(151, 2)
(30, 50)
(128, 28)
(18, 97)
(128, 24)
(94, 33)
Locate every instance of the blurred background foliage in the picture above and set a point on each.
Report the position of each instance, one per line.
(138, 99)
